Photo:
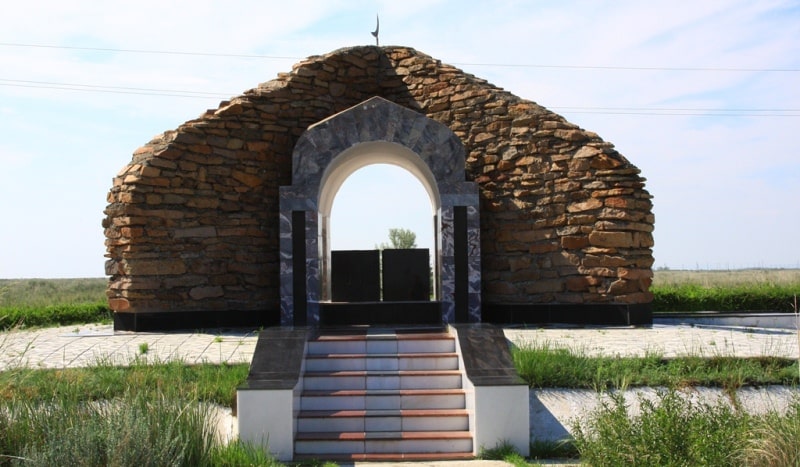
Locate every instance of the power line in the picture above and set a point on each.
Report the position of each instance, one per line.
(689, 111)
(499, 65)
(686, 114)
(141, 51)
(108, 89)
(683, 111)
(633, 68)
(104, 88)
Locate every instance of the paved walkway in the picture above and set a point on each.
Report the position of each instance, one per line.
(86, 345)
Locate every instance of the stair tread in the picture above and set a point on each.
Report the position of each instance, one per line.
(383, 413)
(382, 355)
(390, 457)
(444, 429)
(379, 337)
(382, 373)
(381, 435)
(381, 392)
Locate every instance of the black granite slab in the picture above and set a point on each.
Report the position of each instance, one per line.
(487, 357)
(380, 313)
(355, 275)
(175, 320)
(406, 274)
(278, 358)
(592, 314)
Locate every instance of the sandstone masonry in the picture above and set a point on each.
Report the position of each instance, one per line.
(192, 220)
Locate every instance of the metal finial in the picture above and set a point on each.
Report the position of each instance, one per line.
(377, 28)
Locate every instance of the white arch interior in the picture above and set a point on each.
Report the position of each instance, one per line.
(364, 154)
(351, 161)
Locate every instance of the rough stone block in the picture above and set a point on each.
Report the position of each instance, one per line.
(611, 239)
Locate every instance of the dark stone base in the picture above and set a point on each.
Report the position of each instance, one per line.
(380, 313)
(595, 314)
(277, 359)
(174, 320)
(487, 358)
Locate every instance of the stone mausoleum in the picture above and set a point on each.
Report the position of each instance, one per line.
(224, 221)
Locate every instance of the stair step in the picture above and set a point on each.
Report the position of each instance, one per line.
(383, 420)
(401, 379)
(322, 443)
(383, 395)
(382, 362)
(382, 344)
(391, 457)
(362, 399)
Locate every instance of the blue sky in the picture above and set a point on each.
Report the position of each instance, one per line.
(702, 96)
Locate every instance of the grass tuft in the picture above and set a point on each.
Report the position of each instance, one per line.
(670, 431)
(131, 431)
(238, 453)
(504, 451)
(775, 440)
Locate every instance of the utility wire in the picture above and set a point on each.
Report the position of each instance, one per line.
(140, 51)
(103, 88)
(683, 111)
(505, 65)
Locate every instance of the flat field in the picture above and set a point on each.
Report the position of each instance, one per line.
(674, 290)
(727, 278)
(49, 292)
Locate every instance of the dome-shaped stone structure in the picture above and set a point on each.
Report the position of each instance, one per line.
(193, 224)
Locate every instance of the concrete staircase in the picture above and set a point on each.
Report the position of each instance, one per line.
(383, 395)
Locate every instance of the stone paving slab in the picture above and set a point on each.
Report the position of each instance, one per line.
(665, 340)
(86, 345)
(92, 344)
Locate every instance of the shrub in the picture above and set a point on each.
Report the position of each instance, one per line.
(776, 439)
(670, 431)
(132, 431)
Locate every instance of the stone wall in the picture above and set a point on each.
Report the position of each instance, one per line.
(192, 221)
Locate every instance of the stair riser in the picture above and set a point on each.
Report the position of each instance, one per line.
(381, 402)
(387, 376)
(389, 423)
(432, 381)
(381, 346)
(383, 446)
(382, 364)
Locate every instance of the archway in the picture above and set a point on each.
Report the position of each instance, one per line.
(348, 163)
(384, 185)
(377, 131)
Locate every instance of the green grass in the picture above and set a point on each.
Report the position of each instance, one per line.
(694, 297)
(670, 431)
(675, 430)
(206, 382)
(144, 414)
(47, 292)
(737, 290)
(544, 365)
(53, 315)
(130, 431)
(775, 440)
(52, 302)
